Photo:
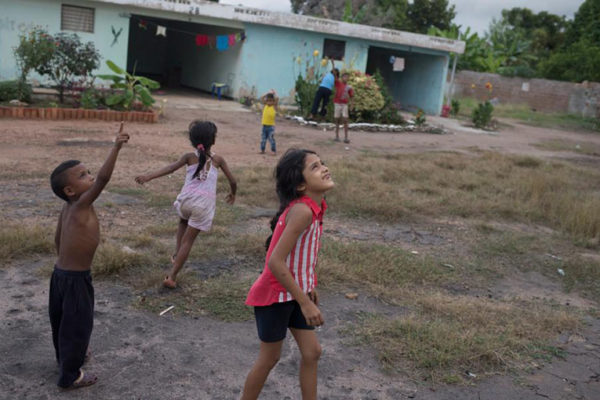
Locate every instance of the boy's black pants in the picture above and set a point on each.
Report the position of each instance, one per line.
(71, 308)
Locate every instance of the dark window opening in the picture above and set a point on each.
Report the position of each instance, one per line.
(334, 49)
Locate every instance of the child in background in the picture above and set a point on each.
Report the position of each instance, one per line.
(195, 204)
(341, 102)
(71, 302)
(284, 296)
(270, 101)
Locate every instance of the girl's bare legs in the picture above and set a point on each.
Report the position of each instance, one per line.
(310, 350)
(180, 231)
(267, 358)
(189, 236)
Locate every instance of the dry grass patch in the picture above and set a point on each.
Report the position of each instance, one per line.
(384, 267)
(111, 260)
(221, 297)
(21, 241)
(583, 274)
(489, 185)
(256, 186)
(587, 148)
(446, 336)
(221, 243)
(164, 229)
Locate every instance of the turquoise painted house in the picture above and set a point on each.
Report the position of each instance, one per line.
(195, 43)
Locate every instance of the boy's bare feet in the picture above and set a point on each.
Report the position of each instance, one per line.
(169, 283)
(85, 379)
(88, 356)
(261, 152)
(273, 153)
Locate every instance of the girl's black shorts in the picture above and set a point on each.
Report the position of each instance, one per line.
(272, 321)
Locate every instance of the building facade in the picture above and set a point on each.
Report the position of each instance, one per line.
(181, 42)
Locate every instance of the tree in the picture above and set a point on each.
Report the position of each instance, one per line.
(423, 14)
(585, 24)
(512, 48)
(579, 56)
(35, 49)
(576, 63)
(71, 59)
(297, 5)
(545, 32)
(477, 51)
(392, 14)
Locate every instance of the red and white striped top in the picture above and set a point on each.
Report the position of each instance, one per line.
(301, 261)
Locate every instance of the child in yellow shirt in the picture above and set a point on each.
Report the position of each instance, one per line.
(270, 101)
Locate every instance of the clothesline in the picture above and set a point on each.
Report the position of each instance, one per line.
(221, 42)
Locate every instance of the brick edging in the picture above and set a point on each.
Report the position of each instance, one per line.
(77, 113)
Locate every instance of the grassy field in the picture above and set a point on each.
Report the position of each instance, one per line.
(508, 214)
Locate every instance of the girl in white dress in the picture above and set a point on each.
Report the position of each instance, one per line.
(195, 204)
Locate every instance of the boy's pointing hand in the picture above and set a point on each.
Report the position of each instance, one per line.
(121, 137)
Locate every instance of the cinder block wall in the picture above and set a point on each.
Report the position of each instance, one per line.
(539, 94)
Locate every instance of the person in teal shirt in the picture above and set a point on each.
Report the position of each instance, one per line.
(324, 92)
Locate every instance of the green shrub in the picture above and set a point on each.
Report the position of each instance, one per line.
(577, 62)
(420, 118)
(35, 50)
(305, 94)
(455, 107)
(367, 95)
(72, 58)
(91, 98)
(132, 89)
(482, 115)
(11, 90)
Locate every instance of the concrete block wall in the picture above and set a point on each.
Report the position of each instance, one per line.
(540, 94)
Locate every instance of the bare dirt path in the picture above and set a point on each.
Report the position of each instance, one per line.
(139, 355)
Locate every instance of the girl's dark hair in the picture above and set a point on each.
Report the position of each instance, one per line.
(202, 136)
(288, 176)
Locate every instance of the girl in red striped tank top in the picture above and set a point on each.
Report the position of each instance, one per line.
(284, 296)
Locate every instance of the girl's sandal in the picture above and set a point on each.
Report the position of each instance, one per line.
(85, 379)
(169, 283)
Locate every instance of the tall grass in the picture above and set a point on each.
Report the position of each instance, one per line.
(395, 188)
(22, 241)
(446, 336)
(518, 188)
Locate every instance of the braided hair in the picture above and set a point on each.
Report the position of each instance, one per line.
(202, 136)
(288, 176)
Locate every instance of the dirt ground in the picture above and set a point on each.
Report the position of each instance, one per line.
(139, 355)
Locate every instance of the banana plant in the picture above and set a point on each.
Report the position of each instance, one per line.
(131, 88)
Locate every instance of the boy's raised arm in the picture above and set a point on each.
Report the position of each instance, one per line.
(105, 172)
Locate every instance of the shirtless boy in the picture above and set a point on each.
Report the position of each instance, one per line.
(71, 304)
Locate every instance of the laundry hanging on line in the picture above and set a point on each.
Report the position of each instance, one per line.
(220, 42)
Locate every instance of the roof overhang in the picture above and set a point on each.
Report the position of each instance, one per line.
(294, 21)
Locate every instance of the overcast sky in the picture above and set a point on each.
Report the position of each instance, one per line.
(476, 14)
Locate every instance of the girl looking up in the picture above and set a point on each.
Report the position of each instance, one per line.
(285, 295)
